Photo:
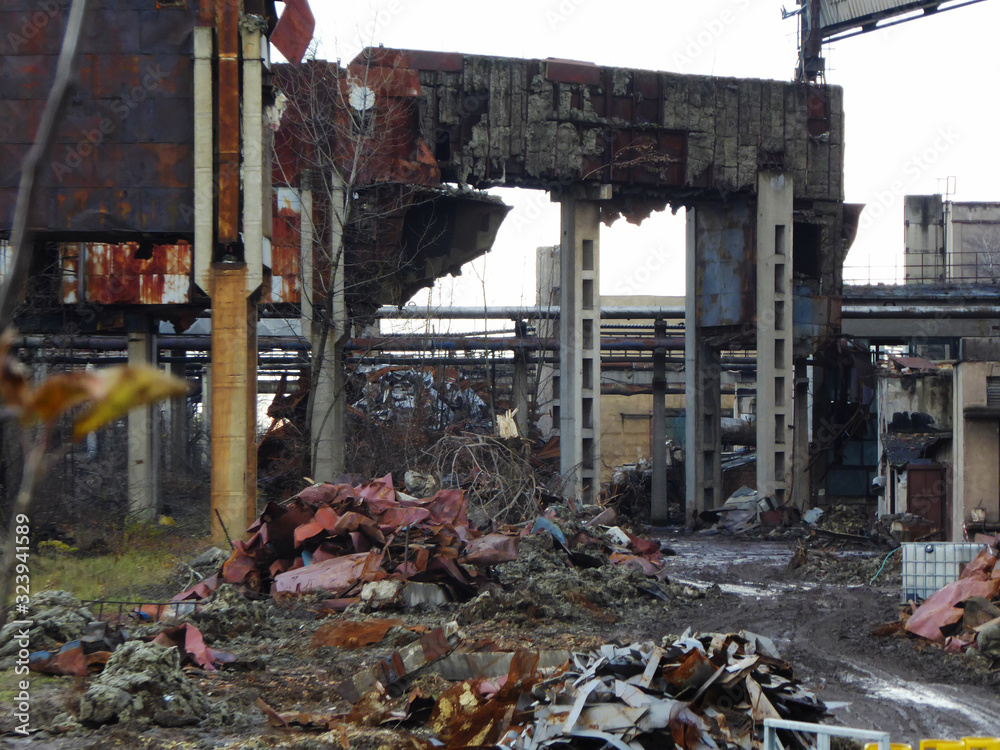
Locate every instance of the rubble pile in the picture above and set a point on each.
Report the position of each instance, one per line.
(692, 692)
(144, 682)
(57, 617)
(964, 614)
(371, 546)
(828, 565)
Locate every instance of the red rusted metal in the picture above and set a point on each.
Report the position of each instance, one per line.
(446, 62)
(112, 274)
(572, 71)
(294, 30)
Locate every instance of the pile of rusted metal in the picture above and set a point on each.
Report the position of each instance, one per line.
(705, 691)
(337, 538)
(370, 543)
(963, 614)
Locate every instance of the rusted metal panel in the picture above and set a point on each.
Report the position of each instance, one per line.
(726, 290)
(114, 275)
(446, 62)
(135, 87)
(572, 71)
(294, 30)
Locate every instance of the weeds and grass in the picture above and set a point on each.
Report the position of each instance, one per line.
(141, 564)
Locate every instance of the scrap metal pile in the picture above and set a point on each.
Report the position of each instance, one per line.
(370, 541)
(337, 538)
(706, 691)
(964, 614)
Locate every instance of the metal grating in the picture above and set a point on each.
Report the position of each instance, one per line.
(992, 390)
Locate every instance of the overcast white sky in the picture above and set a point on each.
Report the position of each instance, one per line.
(920, 102)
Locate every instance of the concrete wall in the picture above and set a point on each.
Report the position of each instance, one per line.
(923, 238)
(930, 394)
(974, 249)
(535, 122)
(976, 446)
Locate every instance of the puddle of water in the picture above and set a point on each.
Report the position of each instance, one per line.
(742, 589)
(904, 691)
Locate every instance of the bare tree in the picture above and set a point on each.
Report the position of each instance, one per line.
(345, 140)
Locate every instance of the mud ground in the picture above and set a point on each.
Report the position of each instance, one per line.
(720, 584)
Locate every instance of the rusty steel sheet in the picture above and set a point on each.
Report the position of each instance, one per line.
(189, 641)
(940, 610)
(337, 574)
(294, 30)
(572, 71)
(353, 634)
(113, 274)
(134, 88)
(491, 549)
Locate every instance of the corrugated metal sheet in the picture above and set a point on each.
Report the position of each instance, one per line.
(838, 15)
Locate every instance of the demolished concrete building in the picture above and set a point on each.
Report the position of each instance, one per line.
(757, 164)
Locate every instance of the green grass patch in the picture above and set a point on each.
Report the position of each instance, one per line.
(141, 565)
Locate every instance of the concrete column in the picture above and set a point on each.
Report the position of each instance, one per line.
(142, 424)
(204, 143)
(702, 394)
(801, 495)
(234, 403)
(177, 458)
(330, 328)
(580, 349)
(520, 400)
(547, 376)
(205, 439)
(329, 415)
(658, 500)
(775, 371)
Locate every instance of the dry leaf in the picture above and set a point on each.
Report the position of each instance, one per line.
(59, 393)
(15, 378)
(115, 391)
